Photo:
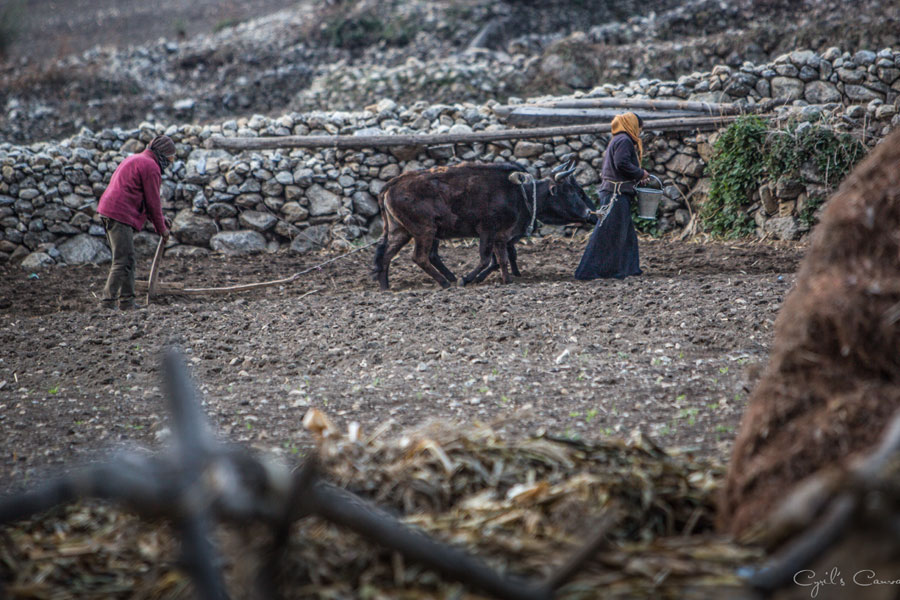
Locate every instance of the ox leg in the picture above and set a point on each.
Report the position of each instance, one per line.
(491, 268)
(439, 264)
(396, 241)
(420, 256)
(503, 259)
(513, 266)
(513, 255)
(484, 250)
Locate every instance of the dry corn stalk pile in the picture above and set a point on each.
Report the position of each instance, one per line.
(523, 505)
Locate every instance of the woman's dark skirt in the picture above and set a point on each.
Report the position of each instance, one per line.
(612, 250)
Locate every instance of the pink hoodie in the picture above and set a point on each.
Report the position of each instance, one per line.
(133, 193)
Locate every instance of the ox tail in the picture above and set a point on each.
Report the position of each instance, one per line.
(378, 262)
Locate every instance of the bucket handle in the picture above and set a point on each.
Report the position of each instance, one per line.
(657, 180)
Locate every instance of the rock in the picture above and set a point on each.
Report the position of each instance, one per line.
(364, 204)
(311, 238)
(787, 88)
(769, 202)
(525, 149)
(132, 146)
(388, 172)
(669, 205)
(184, 105)
(284, 177)
(860, 93)
(272, 188)
(711, 97)
(855, 112)
(885, 112)
(802, 57)
(783, 228)
(376, 227)
(686, 165)
(787, 70)
(851, 75)
(369, 131)
(18, 254)
(294, 212)
(37, 260)
(193, 229)
(587, 175)
(221, 210)
(286, 230)
(405, 153)
(257, 221)
(234, 243)
(145, 243)
(248, 200)
(864, 57)
(809, 172)
(321, 201)
(187, 251)
(821, 92)
(202, 164)
(888, 75)
(441, 153)
(83, 249)
(460, 128)
(788, 188)
(386, 105)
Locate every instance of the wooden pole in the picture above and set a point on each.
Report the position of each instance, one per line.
(154, 269)
(710, 108)
(530, 116)
(387, 141)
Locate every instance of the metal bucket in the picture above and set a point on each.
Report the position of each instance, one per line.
(648, 200)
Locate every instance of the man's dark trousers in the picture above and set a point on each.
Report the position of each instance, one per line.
(120, 283)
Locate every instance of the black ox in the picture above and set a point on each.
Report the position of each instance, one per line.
(494, 202)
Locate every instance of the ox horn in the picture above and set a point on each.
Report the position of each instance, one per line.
(564, 165)
(569, 169)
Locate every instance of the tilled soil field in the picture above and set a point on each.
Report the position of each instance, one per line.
(671, 353)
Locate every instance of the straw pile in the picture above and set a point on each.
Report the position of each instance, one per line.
(523, 505)
(831, 385)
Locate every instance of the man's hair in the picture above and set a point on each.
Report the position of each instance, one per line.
(163, 145)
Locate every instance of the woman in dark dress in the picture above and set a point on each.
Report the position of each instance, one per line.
(612, 250)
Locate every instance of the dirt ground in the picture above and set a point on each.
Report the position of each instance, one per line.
(671, 353)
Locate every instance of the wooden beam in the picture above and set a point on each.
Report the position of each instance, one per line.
(388, 141)
(710, 108)
(536, 116)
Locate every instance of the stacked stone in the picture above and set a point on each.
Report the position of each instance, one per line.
(309, 199)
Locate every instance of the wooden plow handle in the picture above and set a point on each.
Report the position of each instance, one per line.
(154, 269)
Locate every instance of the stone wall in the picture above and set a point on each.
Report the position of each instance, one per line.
(326, 198)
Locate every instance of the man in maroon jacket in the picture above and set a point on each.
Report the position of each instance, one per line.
(131, 197)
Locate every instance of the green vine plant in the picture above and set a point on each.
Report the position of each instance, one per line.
(748, 155)
(736, 168)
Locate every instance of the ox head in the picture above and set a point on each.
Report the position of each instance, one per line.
(565, 201)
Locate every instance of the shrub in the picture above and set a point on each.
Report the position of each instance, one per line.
(736, 169)
(366, 28)
(748, 155)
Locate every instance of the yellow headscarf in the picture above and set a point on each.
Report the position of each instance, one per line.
(628, 123)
